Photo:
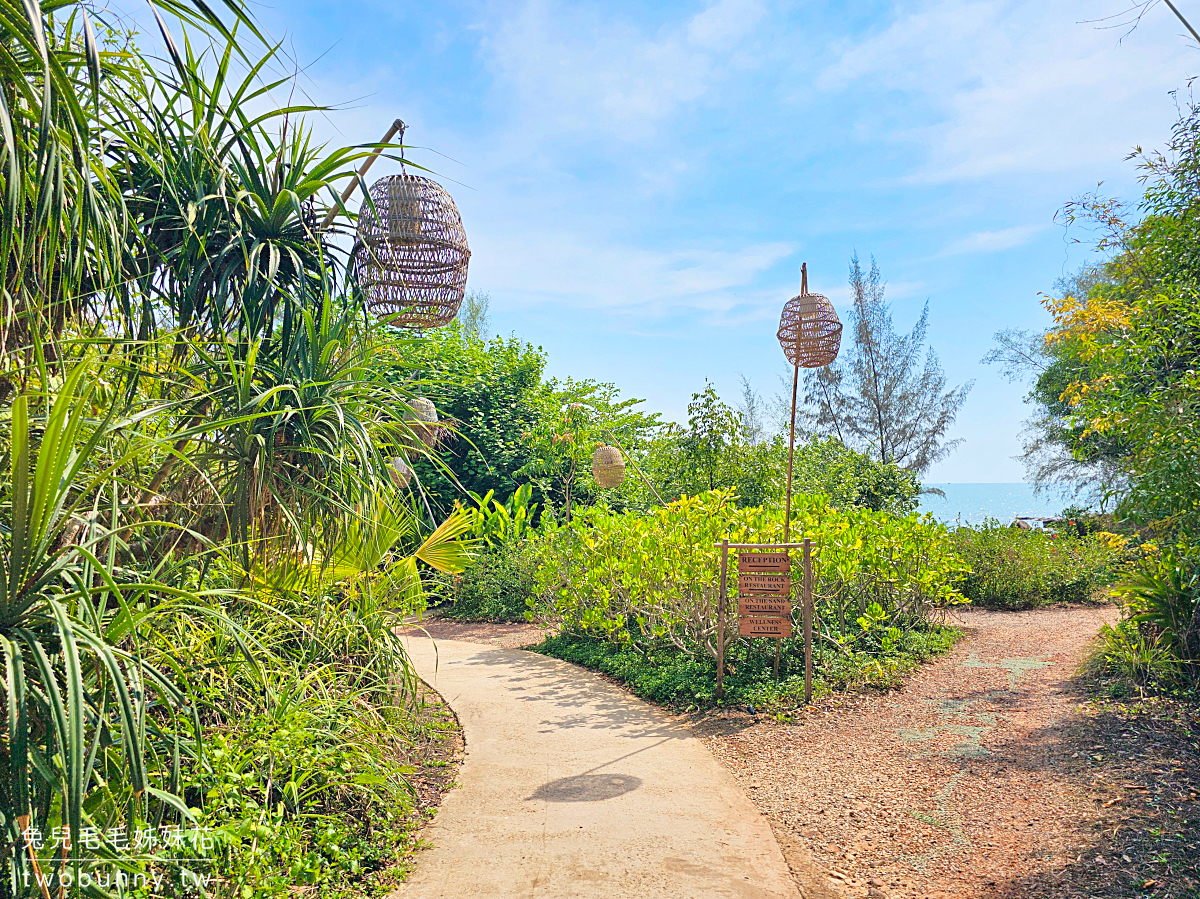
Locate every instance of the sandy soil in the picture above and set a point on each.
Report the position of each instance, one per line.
(489, 633)
(995, 773)
(973, 780)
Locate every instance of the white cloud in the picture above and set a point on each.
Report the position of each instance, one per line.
(999, 86)
(576, 70)
(574, 271)
(992, 241)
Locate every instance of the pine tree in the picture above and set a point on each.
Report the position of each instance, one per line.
(878, 397)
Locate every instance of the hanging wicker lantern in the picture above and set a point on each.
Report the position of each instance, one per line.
(608, 466)
(412, 254)
(399, 472)
(425, 424)
(809, 330)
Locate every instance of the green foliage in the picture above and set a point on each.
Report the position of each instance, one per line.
(502, 524)
(492, 396)
(577, 416)
(632, 576)
(78, 693)
(851, 479)
(63, 224)
(1011, 568)
(1120, 382)
(1157, 641)
(498, 586)
(660, 672)
(1131, 653)
(202, 563)
(715, 451)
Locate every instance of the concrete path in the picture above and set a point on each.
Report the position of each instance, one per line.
(572, 789)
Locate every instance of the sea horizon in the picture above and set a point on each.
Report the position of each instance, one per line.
(974, 502)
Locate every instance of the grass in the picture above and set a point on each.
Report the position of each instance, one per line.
(663, 674)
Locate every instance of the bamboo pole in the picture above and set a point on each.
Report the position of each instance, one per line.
(362, 173)
(721, 619)
(787, 502)
(808, 620)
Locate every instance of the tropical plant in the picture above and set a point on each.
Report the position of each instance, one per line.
(296, 430)
(1011, 568)
(1162, 598)
(63, 222)
(656, 574)
(83, 716)
(501, 524)
(225, 212)
(875, 398)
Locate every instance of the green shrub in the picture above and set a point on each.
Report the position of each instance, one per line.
(1156, 643)
(1134, 656)
(497, 586)
(850, 478)
(1018, 569)
(659, 672)
(631, 577)
(1160, 598)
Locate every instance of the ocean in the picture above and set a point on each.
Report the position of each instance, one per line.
(973, 503)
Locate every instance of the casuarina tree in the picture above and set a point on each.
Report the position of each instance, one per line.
(886, 395)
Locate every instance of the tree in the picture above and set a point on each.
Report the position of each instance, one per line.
(1130, 343)
(575, 417)
(491, 394)
(1056, 453)
(750, 412)
(474, 316)
(878, 398)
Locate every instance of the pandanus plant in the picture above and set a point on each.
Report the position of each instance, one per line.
(76, 697)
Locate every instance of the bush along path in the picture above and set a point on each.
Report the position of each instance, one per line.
(990, 774)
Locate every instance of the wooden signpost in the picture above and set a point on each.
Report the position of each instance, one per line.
(754, 583)
(764, 600)
(765, 627)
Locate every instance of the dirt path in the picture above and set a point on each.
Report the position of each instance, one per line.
(961, 785)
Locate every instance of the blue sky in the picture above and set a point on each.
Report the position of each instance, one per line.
(640, 182)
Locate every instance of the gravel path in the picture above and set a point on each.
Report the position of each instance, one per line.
(960, 785)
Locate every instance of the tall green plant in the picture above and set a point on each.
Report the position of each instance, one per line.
(225, 211)
(75, 688)
(63, 222)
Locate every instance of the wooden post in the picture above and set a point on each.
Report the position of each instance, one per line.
(787, 502)
(362, 173)
(808, 620)
(721, 619)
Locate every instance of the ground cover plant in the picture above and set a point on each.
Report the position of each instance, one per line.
(636, 595)
(1013, 568)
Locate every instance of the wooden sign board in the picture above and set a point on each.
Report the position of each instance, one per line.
(759, 562)
(764, 584)
(764, 606)
(765, 627)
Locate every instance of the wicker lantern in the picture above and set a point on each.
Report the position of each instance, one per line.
(399, 472)
(425, 424)
(809, 330)
(411, 256)
(608, 466)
